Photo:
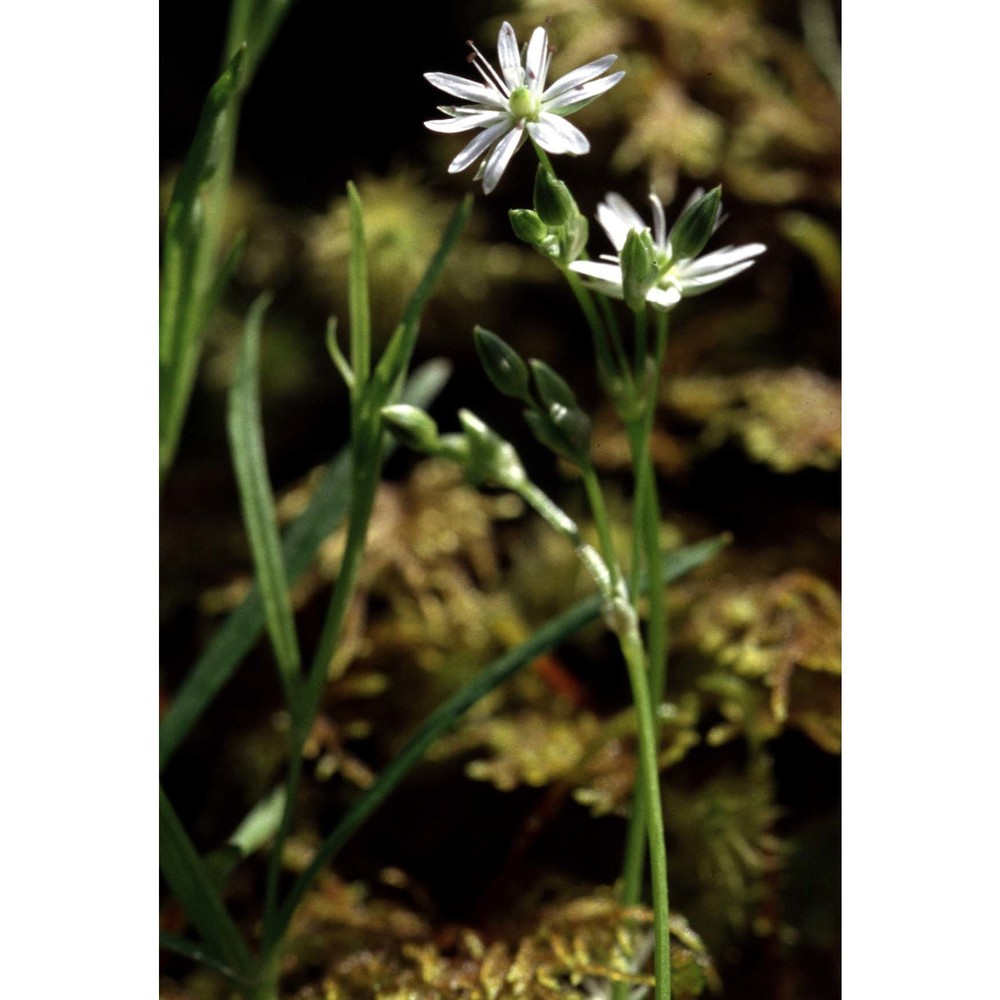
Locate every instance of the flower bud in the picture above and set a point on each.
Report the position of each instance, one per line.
(695, 226)
(639, 268)
(559, 424)
(490, 459)
(528, 227)
(504, 366)
(552, 388)
(562, 430)
(553, 202)
(412, 427)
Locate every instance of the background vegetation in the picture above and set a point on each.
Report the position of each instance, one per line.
(497, 853)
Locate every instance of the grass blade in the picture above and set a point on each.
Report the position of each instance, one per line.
(675, 565)
(246, 439)
(190, 883)
(241, 630)
(189, 246)
(358, 308)
(197, 953)
(396, 357)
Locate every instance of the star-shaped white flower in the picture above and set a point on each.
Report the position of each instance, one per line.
(677, 278)
(512, 106)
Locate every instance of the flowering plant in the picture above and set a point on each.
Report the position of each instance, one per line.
(652, 270)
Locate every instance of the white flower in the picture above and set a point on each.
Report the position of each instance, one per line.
(514, 105)
(676, 278)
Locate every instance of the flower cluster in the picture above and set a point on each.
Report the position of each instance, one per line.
(656, 266)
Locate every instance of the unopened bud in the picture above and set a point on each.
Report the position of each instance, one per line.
(639, 268)
(502, 364)
(412, 427)
(528, 227)
(553, 201)
(490, 459)
(695, 226)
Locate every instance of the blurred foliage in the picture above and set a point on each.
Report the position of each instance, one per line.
(714, 89)
(772, 650)
(787, 419)
(574, 948)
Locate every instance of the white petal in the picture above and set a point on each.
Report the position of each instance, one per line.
(510, 57)
(581, 96)
(606, 278)
(482, 119)
(719, 260)
(659, 222)
(704, 283)
(469, 90)
(557, 135)
(665, 298)
(500, 157)
(593, 269)
(578, 76)
(534, 64)
(479, 145)
(617, 217)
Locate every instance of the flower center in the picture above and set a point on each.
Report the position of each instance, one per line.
(524, 104)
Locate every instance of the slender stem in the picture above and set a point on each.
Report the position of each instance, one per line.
(600, 512)
(640, 344)
(646, 540)
(659, 635)
(367, 465)
(626, 629)
(631, 647)
(543, 158)
(586, 303)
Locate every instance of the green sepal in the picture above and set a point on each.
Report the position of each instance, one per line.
(695, 226)
(502, 364)
(528, 227)
(639, 268)
(573, 240)
(552, 199)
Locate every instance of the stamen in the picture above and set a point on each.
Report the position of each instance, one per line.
(477, 59)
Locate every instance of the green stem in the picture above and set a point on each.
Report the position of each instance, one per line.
(595, 498)
(597, 329)
(543, 158)
(640, 344)
(649, 778)
(646, 547)
(367, 451)
(626, 629)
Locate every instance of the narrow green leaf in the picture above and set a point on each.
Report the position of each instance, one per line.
(241, 630)
(676, 565)
(337, 356)
(188, 880)
(396, 358)
(357, 292)
(246, 441)
(197, 953)
(189, 282)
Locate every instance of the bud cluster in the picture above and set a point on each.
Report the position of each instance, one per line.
(551, 409)
(555, 228)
